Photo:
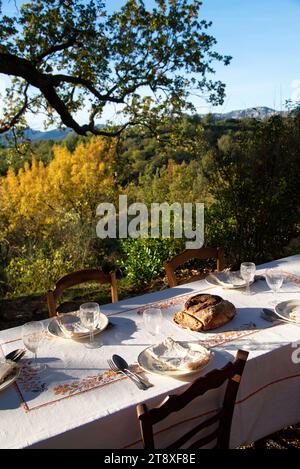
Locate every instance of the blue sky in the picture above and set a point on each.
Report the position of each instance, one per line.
(263, 37)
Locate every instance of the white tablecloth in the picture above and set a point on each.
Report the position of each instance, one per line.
(78, 403)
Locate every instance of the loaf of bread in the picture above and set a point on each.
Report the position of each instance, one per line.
(203, 312)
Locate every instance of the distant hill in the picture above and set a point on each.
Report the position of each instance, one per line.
(36, 135)
(56, 134)
(59, 134)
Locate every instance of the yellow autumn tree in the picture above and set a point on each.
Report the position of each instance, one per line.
(73, 184)
(21, 196)
(9, 198)
(78, 182)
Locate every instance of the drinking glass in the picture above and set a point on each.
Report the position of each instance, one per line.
(247, 270)
(32, 334)
(274, 278)
(89, 316)
(153, 320)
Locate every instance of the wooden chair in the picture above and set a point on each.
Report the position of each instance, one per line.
(174, 403)
(189, 254)
(76, 278)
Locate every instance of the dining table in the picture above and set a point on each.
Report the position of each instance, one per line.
(77, 401)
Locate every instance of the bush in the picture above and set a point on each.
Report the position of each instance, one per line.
(145, 256)
(36, 274)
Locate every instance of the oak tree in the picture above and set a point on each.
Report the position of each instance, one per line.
(64, 56)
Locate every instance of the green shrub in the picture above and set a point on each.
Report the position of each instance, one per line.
(144, 257)
(36, 274)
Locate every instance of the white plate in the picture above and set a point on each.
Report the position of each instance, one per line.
(212, 281)
(54, 329)
(10, 379)
(150, 364)
(285, 308)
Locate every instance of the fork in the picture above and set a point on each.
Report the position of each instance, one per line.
(138, 383)
(15, 355)
(270, 315)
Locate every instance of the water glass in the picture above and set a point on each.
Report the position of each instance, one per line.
(89, 316)
(247, 270)
(32, 335)
(274, 279)
(153, 320)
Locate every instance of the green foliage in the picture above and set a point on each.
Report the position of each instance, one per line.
(144, 258)
(15, 156)
(180, 140)
(247, 174)
(36, 273)
(43, 150)
(74, 52)
(255, 182)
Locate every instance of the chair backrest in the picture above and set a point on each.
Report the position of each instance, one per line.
(76, 278)
(174, 403)
(189, 254)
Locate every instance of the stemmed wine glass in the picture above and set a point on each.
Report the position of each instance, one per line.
(32, 334)
(89, 316)
(247, 270)
(153, 320)
(274, 278)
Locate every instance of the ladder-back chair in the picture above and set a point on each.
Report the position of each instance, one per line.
(232, 373)
(188, 255)
(76, 278)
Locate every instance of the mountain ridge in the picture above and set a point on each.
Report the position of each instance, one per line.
(258, 112)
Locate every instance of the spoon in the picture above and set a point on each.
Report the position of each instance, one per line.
(269, 315)
(122, 365)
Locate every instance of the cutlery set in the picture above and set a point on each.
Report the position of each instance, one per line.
(119, 365)
(271, 316)
(15, 355)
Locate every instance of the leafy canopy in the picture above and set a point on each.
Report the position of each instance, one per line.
(68, 55)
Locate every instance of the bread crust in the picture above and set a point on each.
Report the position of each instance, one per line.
(205, 312)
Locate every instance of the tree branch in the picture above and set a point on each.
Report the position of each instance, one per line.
(17, 66)
(60, 78)
(17, 116)
(13, 65)
(70, 42)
